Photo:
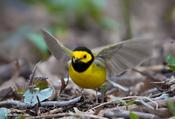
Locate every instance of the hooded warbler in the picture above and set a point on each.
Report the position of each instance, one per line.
(88, 68)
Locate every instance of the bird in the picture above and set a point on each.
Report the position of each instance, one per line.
(89, 68)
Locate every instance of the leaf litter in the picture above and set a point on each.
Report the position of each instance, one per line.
(145, 92)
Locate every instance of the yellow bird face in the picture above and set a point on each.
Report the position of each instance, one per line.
(82, 58)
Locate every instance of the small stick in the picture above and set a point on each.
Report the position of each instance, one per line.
(76, 115)
(126, 114)
(22, 105)
(116, 85)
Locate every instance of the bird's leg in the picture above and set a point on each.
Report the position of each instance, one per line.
(82, 94)
(102, 96)
(103, 90)
(81, 91)
(96, 96)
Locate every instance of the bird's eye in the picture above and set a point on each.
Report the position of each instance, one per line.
(84, 56)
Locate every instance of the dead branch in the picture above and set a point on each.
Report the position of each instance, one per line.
(22, 105)
(60, 104)
(8, 70)
(77, 115)
(154, 68)
(126, 114)
(118, 86)
(150, 76)
(159, 107)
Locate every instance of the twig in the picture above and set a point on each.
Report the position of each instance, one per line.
(116, 102)
(39, 103)
(32, 75)
(22, 105)
(161, 103)
(151, 77)
(126, 98)
(116, 85)
(102, 105)
(157, 106)
(154, 68)
(78, 115)
(7, 70)
(146, 105)
(126, 114)
(15, 103)
(144, 101)
(40, 78)
(60, 104)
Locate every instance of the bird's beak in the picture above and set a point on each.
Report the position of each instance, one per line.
(76, 60)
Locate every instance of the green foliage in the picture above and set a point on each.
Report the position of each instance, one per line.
(108, 23)
(41, 84)
(130, 102)
(72, 6)
(104, 89)
(78, 12)
(171, 62)
(4, 113)
(30, 96)
(24, 35)
(120, 101)
(20, 90)
(20, 117)
(133, 116)
(37, 40)
(171, 107)
(37, 90)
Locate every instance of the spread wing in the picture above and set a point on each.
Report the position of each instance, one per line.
(55, 46)
(123, 55)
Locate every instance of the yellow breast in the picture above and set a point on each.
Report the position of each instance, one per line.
(92, 78)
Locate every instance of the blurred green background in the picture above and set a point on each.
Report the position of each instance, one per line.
(80, 22)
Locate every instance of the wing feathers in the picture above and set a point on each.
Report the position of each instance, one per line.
(55, 47)
(119, 56)
(127, 54)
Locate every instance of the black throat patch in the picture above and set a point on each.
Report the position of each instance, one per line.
(81, 66)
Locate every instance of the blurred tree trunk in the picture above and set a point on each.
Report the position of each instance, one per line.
(168, 17)
(148, 17)
(126, 5)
